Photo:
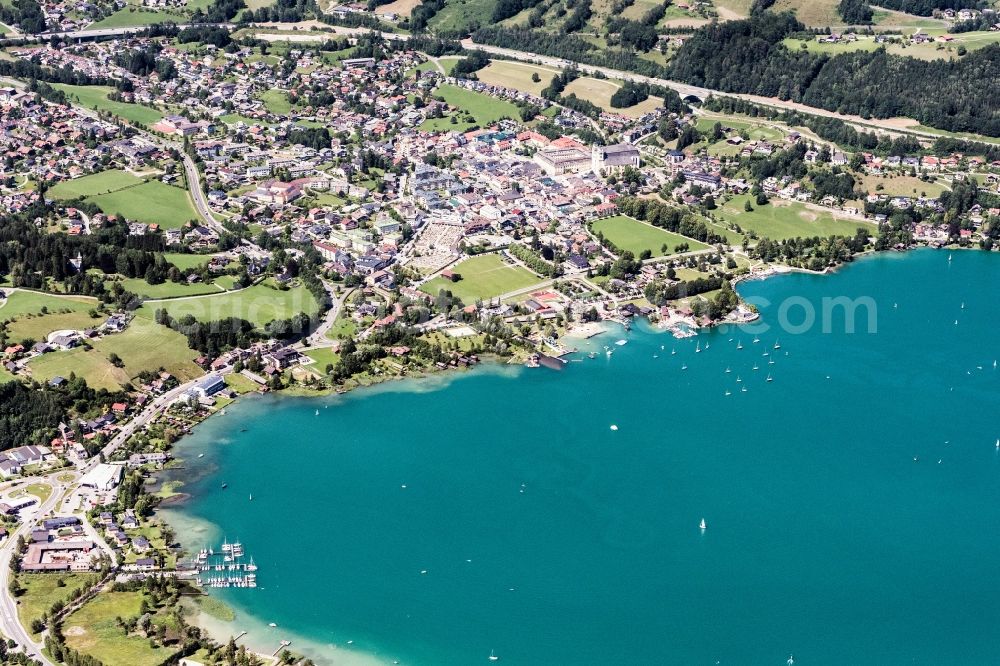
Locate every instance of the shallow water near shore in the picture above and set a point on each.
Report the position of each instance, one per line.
(850, 503)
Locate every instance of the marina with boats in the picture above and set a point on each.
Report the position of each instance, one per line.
(226, 567)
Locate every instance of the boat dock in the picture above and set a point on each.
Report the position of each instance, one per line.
(225, 568)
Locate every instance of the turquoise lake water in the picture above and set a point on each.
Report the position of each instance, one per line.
(825, 538)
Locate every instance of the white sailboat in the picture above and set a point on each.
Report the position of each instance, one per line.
(776, 345)
(739, 345)
(493, 656)
(697, 348)
(702, 524)
(728, 371)
(769, 377)
(251, 497)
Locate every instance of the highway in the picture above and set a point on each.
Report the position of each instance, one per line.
(891, 126)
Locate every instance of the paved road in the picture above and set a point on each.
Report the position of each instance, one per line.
(525, 56)
(140, 421)
(9, 623)
(318, 337)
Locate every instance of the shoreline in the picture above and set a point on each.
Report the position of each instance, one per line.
(254, 630)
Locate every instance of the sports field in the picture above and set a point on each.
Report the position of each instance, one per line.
(781, 219)
(258, 304)
(152, 202)
(144, 345)
(630, 234)
(101, 182)
(96, 97)
(483, 277)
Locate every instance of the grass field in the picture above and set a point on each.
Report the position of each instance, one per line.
(323, 356)
(152, 202)
(167, 289)
(461, 15)
(258, 304)
(43, 590)
(128, 17)
(599, 92)
(516, 75)
(627, 233)
(930, 51)
(20, 303)
(907, 186)
(96, 97)
(811, 12)
(92, 631)
(145, 345)
(483, 108)
(184, 261)
(23, 312)
(783, 219)
(398, 7)
(276, 102)
(96, 183)
(483, 277)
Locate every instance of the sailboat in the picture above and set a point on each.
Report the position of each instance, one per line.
(729, 392)
(998, 443)
(743, 390)
(739, 345)
(251, 497)
(684, 367)
(673, 351)
(317, 412)
(493, 656)
(755, 367)
(728, 371)
(776, 345)
(697, 348)
(756, 340)
(702, 524)
(769, 377)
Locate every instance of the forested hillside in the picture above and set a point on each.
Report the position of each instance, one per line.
(748, 57)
